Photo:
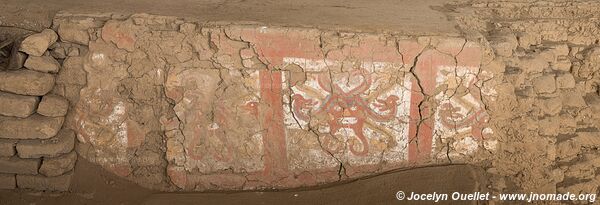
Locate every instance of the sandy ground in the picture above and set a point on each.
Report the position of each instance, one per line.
(401, 16)
(93, 185)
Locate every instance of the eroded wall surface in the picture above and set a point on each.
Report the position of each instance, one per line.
(179, 105)
(545, 117)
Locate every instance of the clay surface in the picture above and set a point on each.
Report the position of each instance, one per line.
(404, 16)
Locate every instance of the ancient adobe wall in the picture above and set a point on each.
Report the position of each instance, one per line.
(549, 96)
(180, 105)
(175, 105)
(35, 152)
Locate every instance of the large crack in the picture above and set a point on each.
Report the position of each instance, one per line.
(422, 90)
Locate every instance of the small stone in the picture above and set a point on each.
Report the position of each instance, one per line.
(594, 102)
(61, 144)
(37, 44)
(534, 65)
(33, 127)
(572, 99)
(17, 105)
(505, 45)
(72, 72)
(38, 182)
(57, 166)
(565, 81)
(26, 82)
(551, 106)
(58, 52)
(53, 106)
(503, 48)
(17, 60)
(137, 20)
(53, 46)
(562, 65)
(73, 51)
(547, 55)
(187, 28)
(7, 148)
(551, 126)
(8, 181)
(561, 50)
(528, 39)
(15, 165)
(544, 84)
(45, 64)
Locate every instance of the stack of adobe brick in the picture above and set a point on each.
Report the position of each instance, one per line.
(35, 153)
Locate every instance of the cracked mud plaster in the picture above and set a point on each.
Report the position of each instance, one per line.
(177, 105)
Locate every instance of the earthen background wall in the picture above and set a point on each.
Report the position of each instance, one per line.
(547, 51)
(180, 105)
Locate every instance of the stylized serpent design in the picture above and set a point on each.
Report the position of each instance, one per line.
(345, 109)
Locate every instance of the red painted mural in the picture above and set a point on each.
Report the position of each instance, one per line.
(247, 107)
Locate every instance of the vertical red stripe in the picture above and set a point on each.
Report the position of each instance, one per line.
(271, 116)
(419, 148)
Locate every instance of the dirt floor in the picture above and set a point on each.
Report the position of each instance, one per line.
(93, 185)
(403, 16)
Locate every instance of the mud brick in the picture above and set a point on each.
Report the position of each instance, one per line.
(26, 82)
(565, 81)
(74, 32)
(33, 127)
(38, 43)
(61, 144)
(39, 182)
(53, 106)
(7, 148)
(57, 166)
(544, 84)
(17, 105)
(46, 64)
(7, 181)
(15, 165)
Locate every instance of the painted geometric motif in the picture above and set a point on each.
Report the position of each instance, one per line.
(356, 111)
(220, 121)
(461, 114)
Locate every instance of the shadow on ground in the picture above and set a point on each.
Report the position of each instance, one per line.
(93, 185)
